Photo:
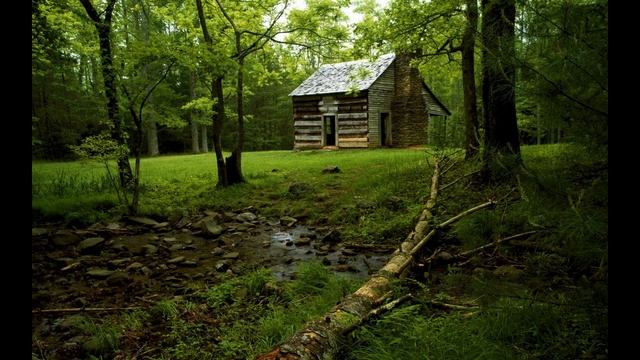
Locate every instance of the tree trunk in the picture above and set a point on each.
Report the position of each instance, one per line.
(472, 142)
(195, 148)
(234, 162)
(205, 139)
(218, 109)
(498, 82)
(103, 27)
(152, 139)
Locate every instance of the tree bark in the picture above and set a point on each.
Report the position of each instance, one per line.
(205, 139)
(472, 142)
(498, 82)
(103, 27)
(218, 109)
(195, 148)
(152, 139)
(234, 162)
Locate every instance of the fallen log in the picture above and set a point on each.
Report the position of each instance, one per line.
(68, 310)
(319, 338)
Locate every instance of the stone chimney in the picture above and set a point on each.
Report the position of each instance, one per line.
(409, 111)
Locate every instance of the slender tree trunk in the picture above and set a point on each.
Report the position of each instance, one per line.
(103, 27)
(152, 139)
(218, 109)
(195, 148)
(234, 162)
(538, 129)
(205, 139)
(498, 82)
(472, 143)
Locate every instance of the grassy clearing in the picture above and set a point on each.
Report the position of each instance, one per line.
(280, 183)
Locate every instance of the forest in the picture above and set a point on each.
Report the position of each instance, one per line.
(175, 217)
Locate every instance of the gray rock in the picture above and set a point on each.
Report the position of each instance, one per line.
(246, 217)
(143, 220)
(161, 225)
(210, 228)
(100, 273)
(113, 226)
(222, 265)
(331, 170)
(89, 244)
(302, 241)
(217, 251)
(38, 231)
(288, 221)
(149, 249)
(231, 255)
(177, 259)
(65, 238)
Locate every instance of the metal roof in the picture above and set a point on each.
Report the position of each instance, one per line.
(341, 77)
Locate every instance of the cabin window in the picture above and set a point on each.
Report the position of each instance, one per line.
(330, 130)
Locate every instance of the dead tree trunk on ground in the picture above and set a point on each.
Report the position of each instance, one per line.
(319, 338)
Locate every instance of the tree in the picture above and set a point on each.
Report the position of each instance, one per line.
(103, 28)
(498, 83)
(472, 138)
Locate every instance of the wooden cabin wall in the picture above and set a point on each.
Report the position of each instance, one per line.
(351, 112)
(307, 119)
(380, 98)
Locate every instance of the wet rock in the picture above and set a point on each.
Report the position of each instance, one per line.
(326, 261)
(273, 222)
(331, 170)
(65, 238)
(149, 249)
(246, 217)
(100, 273)
(119, 247)
(325, 248)
(134, 266)
(89, 244)
(142, 220)
(118, 278)
(38, 231)
(176, 247)
(217, 251)
(118, 262)
(288, 221)
(231, 255)
(113, 226)
(70, 266)
(222, 265)
(177, 259)
(169, 239)
(348, 252)
(161, 225)
(332, 237)
(211, 228)
(189, 263)
(302, 241)
(321, 253)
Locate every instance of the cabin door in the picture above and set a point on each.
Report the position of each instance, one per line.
(330, 130)
(384, 129)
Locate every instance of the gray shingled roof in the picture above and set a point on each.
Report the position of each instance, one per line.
(338, 78)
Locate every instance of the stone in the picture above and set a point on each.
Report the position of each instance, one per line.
(70, 266)
(143, 220)
(302, 241)
(65, 238)
(113, 226)
(266, 244)
(177, 259)
(326, 261)
(89, 244)
(38, 231)
(169, 239)
(332, 237)
(211, 228)
(331, 170)
(145, 270)
(176, 247)
(118, 278)
(149, 249)
(190, 263)
(134, 266)
(246, 217)
(444, 256)
(348, 252)
(231, 255)
(118, 262)
(288, 221)
(222, 265)
(161, 225)
(100, 273)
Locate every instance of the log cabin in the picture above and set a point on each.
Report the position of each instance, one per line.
(364, 104)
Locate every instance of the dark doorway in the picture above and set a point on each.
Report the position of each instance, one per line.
(384, 129)
(330, 130)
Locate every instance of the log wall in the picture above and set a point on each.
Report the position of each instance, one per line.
(380, 98)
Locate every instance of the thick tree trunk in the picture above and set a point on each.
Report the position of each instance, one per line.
(152, 139)
(472, 142)
(103, 27)
(195, 148)
(498, 82)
